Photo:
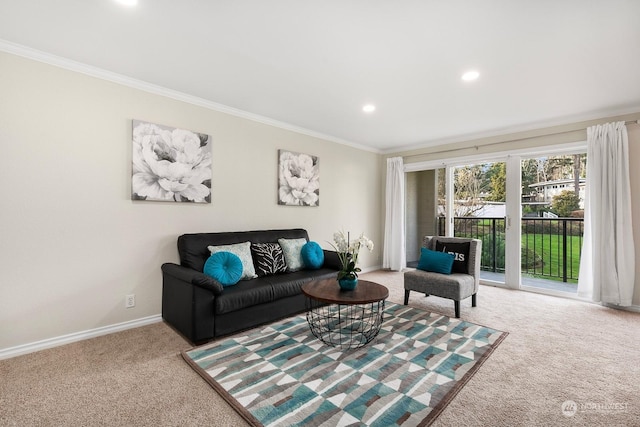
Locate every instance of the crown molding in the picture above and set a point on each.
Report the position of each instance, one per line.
(604, 115)
(68, 64)
(57, 61)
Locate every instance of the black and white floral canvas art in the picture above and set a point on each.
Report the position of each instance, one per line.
(298, 179)
(170, 164)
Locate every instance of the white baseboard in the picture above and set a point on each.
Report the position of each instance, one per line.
(370, 269)
(634, 308)
(19, 350)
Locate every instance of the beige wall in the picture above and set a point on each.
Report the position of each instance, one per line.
(545, 137)
(72, 242)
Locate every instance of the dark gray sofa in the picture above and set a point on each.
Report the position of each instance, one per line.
(201, 309)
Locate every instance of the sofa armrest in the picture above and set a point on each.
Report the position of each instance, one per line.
(331, 260)
(206, 282)
(193, 277)
(188, 301)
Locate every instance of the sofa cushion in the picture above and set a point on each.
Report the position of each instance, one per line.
(289, 284)
(434, 261)
(266, 289)
(225, 267)
(460, 251)
(193, 251)
(268, 258)
(243, 251)
(312, 255)
(246, 293)
(292, 249)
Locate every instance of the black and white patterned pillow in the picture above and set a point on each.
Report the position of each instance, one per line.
(268, 258)
(461, 253)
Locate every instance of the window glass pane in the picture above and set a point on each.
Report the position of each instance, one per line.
(479, 209)
(552, 221)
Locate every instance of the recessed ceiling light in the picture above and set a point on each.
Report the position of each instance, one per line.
(369, 108)
(470, 76)
(128, 2)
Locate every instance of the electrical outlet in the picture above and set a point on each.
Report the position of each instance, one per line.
(130, 301)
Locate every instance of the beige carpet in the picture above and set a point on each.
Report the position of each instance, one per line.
(557, 350)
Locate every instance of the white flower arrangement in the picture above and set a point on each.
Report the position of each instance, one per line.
(348, 252)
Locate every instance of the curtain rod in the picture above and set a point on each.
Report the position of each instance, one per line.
(628, 122)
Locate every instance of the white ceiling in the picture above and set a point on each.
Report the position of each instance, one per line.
(314, 64)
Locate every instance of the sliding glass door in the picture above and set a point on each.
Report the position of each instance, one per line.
(479, 210)
(552, 220)
(525, 207)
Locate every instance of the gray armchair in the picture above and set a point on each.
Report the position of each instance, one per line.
(458, 285)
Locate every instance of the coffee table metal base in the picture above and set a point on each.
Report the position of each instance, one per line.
(345, 325)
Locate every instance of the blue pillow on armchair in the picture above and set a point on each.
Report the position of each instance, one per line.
(436, 262)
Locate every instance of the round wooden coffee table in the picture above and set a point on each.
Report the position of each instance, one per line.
(345, 319)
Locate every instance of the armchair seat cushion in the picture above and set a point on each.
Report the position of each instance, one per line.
(454, 286)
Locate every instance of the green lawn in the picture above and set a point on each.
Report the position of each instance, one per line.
(549, 247)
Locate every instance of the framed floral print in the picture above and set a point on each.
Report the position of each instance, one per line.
(298, 179)
(170, 164)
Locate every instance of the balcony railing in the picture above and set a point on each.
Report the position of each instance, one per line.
(550, 246)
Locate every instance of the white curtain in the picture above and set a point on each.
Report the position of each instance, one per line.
(607, 264)
(394, 252)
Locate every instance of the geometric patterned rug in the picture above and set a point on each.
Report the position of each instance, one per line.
(281, 375)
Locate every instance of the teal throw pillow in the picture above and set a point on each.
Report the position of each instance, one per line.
(225, 267)
(243, 251)
(436, 262)
(312, 255)
(292, 249)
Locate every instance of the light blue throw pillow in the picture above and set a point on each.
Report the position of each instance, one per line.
(292, 249)
(312, 255)
(436, 262)
(225, 267)
(243, 251)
